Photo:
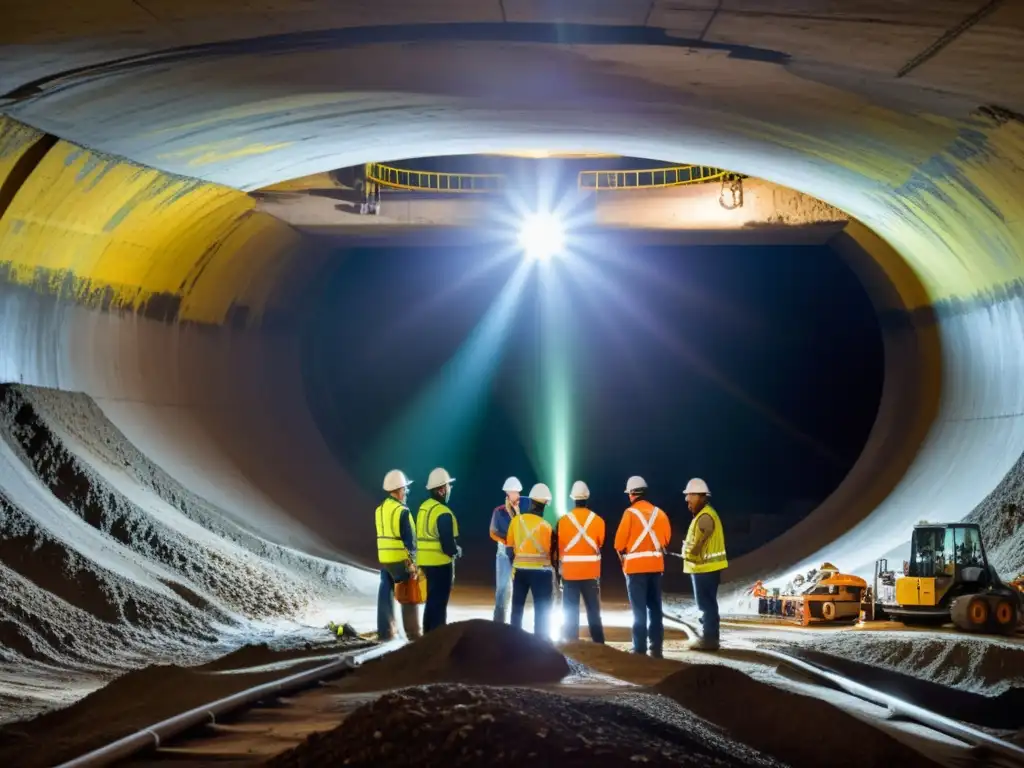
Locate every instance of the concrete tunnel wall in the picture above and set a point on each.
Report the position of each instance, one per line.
(171, 302)
(941, 190)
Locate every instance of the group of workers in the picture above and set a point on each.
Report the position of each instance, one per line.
(536, 558)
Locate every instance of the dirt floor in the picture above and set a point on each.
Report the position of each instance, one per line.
(475, 651)
(604, 707)
(447, 725)
(141, 698)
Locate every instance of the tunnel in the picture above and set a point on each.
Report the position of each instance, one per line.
(140, 274)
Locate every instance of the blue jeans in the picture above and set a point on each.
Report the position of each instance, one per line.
(644, 590)
(590, 591)
(390, 574)
(541, 584)
(502, 584)
(705, 590)
(439, 589)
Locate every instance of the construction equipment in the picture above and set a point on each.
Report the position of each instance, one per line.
(947, 579)
(823, 596)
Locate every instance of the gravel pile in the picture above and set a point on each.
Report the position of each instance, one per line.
(450, 726)
(989, 666)
(138, 699)
(801, 731)
(475, 651)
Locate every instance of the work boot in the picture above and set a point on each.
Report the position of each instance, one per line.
(411, 621)
(703, 644)
(656, 653)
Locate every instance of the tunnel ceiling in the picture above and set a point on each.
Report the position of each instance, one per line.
(903, 114)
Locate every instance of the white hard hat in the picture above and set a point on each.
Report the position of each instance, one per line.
(541, 492)
(438, 477)
(396, 479)
(635, 483)
(512, 484)
(697, 486)
(579, 490)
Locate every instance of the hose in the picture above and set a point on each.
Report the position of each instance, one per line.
(897, 707)
(154, 735)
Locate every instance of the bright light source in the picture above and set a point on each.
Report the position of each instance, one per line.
(541, 236)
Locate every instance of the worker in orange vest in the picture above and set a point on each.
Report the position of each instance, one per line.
(534, 557)
(641, 541)
(580, 538)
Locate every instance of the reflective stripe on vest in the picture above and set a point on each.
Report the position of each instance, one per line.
(581, 533)
(647, 533)
(388, 519)
(713, 558)
(428, 541)
(539, 557)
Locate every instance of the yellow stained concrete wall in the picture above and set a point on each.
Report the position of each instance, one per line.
(109, 233)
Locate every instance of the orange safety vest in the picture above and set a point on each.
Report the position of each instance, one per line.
(530, 537)
(642, 537)
(580, 536)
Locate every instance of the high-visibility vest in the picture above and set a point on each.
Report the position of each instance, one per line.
(580, 535)
(428, 543)
(711, 556)
(530, 537)
(644, 550)
(388, 517)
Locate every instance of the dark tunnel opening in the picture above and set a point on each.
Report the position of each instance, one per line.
(762, 373)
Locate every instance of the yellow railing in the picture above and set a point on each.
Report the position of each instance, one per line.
(433, 181)
(650, 178)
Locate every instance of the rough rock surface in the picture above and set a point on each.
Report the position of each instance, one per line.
(449, 726)
(801, 731)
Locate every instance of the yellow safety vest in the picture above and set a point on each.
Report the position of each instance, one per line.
(712, 555)
(390, 547)
(531, 538)
(428, 543)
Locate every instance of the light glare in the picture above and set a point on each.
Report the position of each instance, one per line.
(541, 236)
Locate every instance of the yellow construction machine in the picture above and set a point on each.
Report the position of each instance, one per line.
(822, 596)
(947, 579)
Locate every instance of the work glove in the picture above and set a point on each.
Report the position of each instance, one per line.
(458, 551)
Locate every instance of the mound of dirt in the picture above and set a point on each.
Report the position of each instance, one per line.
(1004, 711)
(985, 665)
(640, 670)
(129, 703)
(475, 651)
(450, 726)
(258, 655)
(801, 731)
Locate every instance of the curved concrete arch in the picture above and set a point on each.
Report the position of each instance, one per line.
(940, 186)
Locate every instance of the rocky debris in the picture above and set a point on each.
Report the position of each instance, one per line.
(1004, 711)
(261, 654)
(988, 666)
(133, 701)
(107, 563)
(801, 731)
(450, 726)
(475, 651)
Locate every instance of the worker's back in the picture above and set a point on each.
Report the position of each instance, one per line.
(530, 536)
(642, 537)
(580, 538)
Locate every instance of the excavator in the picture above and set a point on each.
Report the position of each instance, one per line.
(947, 579)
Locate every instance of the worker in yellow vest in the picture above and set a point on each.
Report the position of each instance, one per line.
(530, 541)
(437, 547)
(580, 538)
(396, 553)
(704, 559)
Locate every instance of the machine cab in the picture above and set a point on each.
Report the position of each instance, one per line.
(953, 551)
(942, 557)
